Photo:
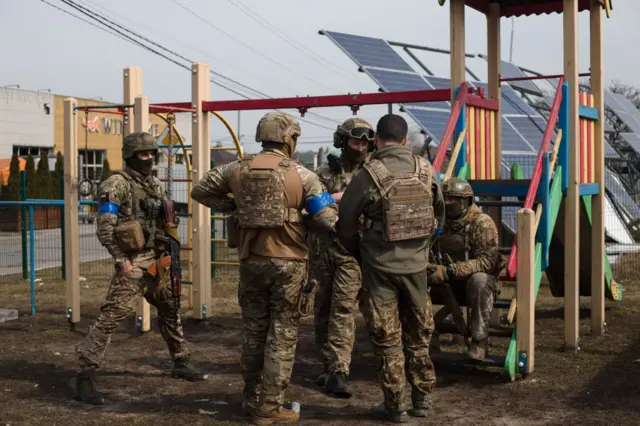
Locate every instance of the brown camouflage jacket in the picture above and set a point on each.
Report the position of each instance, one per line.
(472, 243)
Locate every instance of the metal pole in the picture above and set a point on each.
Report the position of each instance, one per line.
(238, 132)
(390, 108)
(23, 210)
(513, 25)
(32, 263)
(62, 231)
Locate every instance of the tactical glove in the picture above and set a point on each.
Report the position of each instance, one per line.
(437, 274)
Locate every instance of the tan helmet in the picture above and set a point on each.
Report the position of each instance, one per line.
(137, 142)
(456, 187)
(278, 127)
(352, 127)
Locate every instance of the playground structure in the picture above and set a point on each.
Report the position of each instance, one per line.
(566, 176)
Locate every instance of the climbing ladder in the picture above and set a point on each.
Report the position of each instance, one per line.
(543, 193)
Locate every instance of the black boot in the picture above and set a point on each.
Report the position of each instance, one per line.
(338, 386)
(322, 379)
(85, 388)
(421, 405)
(181, 370)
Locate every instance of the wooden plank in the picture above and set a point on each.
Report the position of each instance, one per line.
(201, 231)
(457, 40)
(493, 68)
(141, 124)
(525, 293)
(572, 216)
(591, 139)
(71, 239)
(597, 204)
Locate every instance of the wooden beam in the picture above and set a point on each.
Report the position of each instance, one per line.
(597, 206)
(525, 290)
(458, 70)
(201, 231)
(572, 212)
(132, 86)
(71, 241)
(141, 124)
(493, 64)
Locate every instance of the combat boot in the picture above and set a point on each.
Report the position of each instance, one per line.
(380, 410)
(322, 379)
(281, 415)
(85, 388)
(338, 386)
(182, 370)
(249, 407)
(478, 350)
(421, 405)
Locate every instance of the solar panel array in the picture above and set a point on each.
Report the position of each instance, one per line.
(509, 70)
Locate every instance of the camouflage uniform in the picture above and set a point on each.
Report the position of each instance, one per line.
(117, 206)
(337, 273)
(395, 299)
(272, 246)
(470, 239)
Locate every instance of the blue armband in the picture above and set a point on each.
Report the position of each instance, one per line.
(437, 232)
(108, 208)
(319, 202)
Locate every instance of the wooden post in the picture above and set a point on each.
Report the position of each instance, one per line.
(458, 71)
(572, 215)
(597, 206)
(201, 232)
(525, 290)
(141, 124)
(132, 85)
(71, 241)
(493, 63)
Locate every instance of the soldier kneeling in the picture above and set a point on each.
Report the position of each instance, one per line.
(468, 245)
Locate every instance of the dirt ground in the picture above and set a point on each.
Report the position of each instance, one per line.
(598, 385)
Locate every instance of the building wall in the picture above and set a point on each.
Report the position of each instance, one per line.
(26, 119)
(105, 130)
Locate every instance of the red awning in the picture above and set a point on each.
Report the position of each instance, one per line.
(528, 7)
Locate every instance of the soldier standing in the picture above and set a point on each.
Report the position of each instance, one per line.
(470, 239)
(401, 201)
(131, 202)
(269, 192)
(336, 272)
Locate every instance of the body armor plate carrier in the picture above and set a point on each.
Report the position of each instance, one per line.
(407, 201)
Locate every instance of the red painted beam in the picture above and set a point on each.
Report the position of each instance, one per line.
(451, 125)
(479, 102)
(306, 102)
(175, 107)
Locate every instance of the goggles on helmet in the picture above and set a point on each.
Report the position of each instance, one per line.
(361, 133)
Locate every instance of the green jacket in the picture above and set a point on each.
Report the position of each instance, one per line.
(363, 197)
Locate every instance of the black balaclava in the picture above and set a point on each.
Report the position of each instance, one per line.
(141, 166)
(456, 209)
(352, 155)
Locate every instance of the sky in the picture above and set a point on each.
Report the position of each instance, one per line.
(273, 46)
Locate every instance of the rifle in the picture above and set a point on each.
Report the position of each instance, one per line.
(168, 242)
(450, 298)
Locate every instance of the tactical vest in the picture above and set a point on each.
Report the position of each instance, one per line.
(146, 205)
(407, 201)
(455, 243)
(262, 202)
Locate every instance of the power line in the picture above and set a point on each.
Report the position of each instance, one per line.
(138, 43)
(246, 45)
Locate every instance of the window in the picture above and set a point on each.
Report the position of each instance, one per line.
(94, 161)
(24, 151)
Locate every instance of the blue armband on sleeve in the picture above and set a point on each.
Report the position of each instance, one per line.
(319, 202)
(108, 208)
(437, 232)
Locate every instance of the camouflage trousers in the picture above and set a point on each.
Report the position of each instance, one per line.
(397, 310)
(268, 294)
(480, 293)
(338, 279)
(123, 295)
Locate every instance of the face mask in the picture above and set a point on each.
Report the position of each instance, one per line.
(455, 209)
(354, 155)
(141, 166)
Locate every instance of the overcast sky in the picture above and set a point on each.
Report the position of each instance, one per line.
(43, 48)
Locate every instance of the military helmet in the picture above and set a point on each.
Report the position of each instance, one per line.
(278, 127)
(136, 142)
(352, 127)
(456, 187)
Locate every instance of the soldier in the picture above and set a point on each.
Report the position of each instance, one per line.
(470, 238)
(269, 192)
(400, 198)
(130, 203)
(335, 271)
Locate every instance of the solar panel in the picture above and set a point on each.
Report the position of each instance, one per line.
(509, 70)
(609, 152)
(512, 140)
(391, 81)
(531, 129)
(526, 163)
(432, 122)
(368, 51)
(633, 139)
(619, 194)
(514, 104)
(627, 105)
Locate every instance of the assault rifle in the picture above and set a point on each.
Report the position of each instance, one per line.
(168, 242)
(450, 298)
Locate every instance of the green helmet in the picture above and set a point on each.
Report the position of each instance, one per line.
(136, 142)
(352, 127)
(278, 127)
(456, 187)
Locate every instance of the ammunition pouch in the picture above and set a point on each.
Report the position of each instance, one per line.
(159, 267)
(232, 231)
(130, 236)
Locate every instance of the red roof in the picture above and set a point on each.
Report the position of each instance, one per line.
(527, 7)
